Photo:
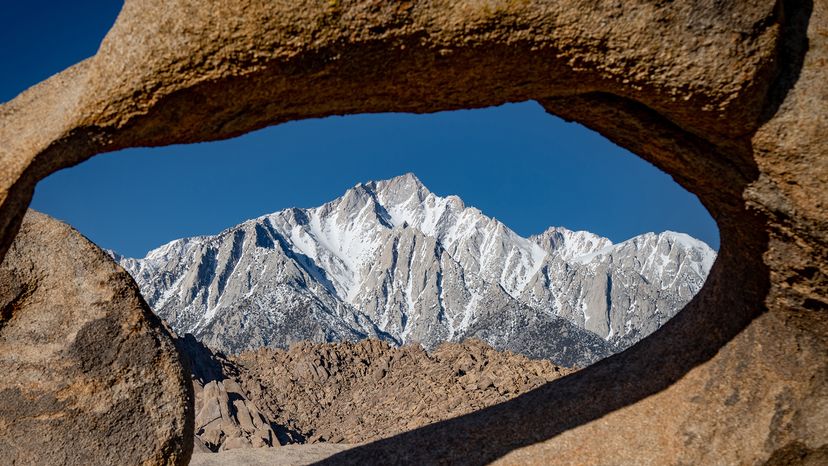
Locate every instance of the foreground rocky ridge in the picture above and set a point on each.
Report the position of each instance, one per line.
(348, 392)
(393, 261)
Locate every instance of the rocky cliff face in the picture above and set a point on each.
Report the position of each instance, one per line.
(391, 260)
(622, 292)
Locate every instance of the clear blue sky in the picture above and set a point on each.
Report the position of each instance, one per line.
(515, 162)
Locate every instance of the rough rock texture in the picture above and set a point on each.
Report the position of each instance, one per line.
(360, 392)
(621, 292)
(224, 418)
(728, 97)
(90, 375)
(347, 392)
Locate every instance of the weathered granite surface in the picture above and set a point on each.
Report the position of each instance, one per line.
(225, 419)
(728, 97)
(90, 374)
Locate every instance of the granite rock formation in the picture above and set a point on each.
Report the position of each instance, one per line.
(360, 392)
(225, 419)
(348, 392)
(727, 97)
(90, 374)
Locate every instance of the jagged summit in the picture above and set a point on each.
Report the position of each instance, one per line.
(570, 243)
(392, 260)
(403, 186)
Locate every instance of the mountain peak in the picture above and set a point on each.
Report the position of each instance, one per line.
(569, 243)
(392, 191)
(392, 260)
(405, 178)
(400, 188)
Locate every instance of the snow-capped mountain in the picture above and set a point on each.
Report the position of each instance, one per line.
(391, 260)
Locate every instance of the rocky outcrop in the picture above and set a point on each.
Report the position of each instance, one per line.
(353, 392)
(225, 419)
(727, 97)
(90, 375)
(346, 392)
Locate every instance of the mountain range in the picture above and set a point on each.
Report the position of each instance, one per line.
(392, 260)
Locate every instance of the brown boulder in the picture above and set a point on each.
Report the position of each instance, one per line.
(90, 375)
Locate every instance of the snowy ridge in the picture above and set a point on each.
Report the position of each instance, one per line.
(392, 260)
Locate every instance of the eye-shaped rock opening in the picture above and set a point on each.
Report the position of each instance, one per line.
(392, 261)
(727, 97)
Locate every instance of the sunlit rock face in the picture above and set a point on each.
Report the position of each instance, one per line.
(90, 375)
(622, 292)
(389, 259)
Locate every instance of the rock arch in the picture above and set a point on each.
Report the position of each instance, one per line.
(728, 97)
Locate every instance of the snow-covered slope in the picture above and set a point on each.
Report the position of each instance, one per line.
(391, 260)
(622, 292)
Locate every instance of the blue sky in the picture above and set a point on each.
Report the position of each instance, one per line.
(514, 162)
